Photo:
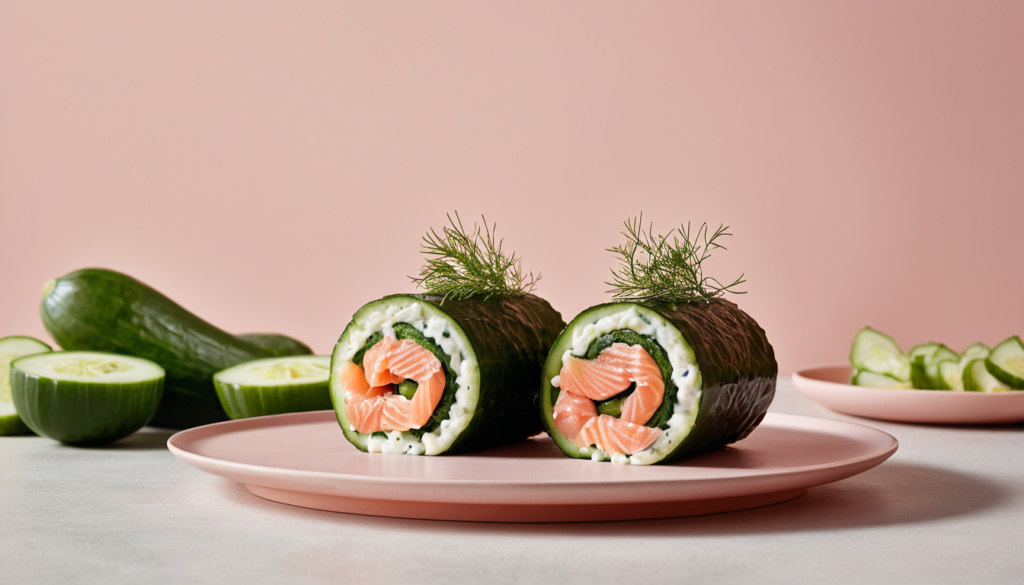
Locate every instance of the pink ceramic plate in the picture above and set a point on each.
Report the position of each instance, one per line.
(304, 460)
(830, 385)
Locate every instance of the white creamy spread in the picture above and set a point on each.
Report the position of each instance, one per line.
(685, 375)
(460, 360)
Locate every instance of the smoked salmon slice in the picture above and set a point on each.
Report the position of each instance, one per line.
(371, 404)
(583, 381)
(616, 436)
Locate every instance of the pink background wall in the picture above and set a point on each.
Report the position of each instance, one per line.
(272, 165)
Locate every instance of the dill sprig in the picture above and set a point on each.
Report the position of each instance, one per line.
(667, 268)
(463, 264)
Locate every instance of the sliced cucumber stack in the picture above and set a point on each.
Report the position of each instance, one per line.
(12, 348)
(978, 379)
(1006, 363)
(275, 386)
(924, 365)
(879, 354)
(85, 398)
(918, 354)
(873, 380)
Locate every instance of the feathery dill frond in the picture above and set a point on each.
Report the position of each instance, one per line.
(468, 263)
(667, 268)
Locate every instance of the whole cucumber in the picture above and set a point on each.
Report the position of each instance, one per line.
(101, 310)
(280, 345)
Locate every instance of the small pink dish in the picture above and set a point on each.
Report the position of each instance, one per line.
(304, 460)
(830, 386)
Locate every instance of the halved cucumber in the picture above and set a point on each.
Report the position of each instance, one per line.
(84, 397)
(275, 386)
(873, 380)
(878, 353)
(12, 348)
(1006, 362)
(978, 379)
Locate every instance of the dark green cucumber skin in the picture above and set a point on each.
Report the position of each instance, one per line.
(78, 413)
(102, 310)
(280, 345)
(13, 425)
(738, 371)
(918, 376)
(511, 337)
(242, 401)
(1012, 382)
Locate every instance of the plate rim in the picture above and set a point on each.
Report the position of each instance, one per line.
(801, 373)
(932, 407)
(864, 434)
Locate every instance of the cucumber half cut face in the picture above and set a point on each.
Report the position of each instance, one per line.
(275, 386)
(12, 348)
(85, 398)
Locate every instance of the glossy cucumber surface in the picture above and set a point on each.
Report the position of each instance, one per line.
(102, 310)
(279, 344)
(85, 398)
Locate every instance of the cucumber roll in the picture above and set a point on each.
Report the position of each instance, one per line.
(672, 372)
(451, 370)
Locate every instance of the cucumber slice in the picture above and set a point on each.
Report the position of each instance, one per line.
(84, 397)
(878, 353)
(12, 348)
(1006, 363)
(931, 366)
(950, 376)
(275, 386)
(924, 364)
(918, 355)
(978, 379)
(873, 380)
(973, 352)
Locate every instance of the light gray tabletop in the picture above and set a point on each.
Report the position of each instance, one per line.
(948, 507)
